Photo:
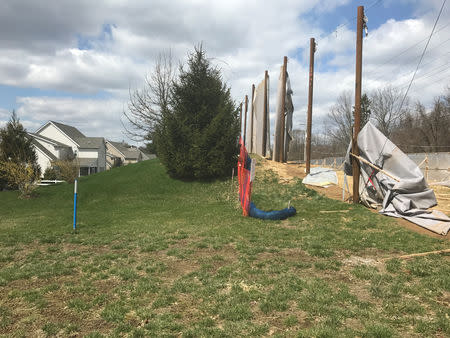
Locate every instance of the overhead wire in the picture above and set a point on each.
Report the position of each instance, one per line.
(421, 57)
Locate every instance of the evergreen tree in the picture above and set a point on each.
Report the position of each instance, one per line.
(197, 134)
(16, 147)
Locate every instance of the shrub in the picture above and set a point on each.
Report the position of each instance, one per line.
(66, 170)
(50, 174)
(20, 175)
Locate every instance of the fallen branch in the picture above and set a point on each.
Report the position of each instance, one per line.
(375, 167)
(419, 254)
(332, 211)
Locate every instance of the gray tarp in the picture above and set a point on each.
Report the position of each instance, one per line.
(255, 138)
(410, 197)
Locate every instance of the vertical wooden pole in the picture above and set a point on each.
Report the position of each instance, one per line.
(251, 119)
(358, 79)
(281, 117)
(312, 49)
(266, 109)
(245, 117)
(240, 119)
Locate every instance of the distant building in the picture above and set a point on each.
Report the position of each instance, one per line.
(57, 141)
(121, 153)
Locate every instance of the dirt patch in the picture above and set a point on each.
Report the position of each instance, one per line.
(289, 171)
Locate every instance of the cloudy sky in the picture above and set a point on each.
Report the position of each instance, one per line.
(75, 61)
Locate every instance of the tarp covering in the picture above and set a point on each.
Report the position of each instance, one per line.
(321, 177)
(288, 112)
(255, 130)
(410, 197)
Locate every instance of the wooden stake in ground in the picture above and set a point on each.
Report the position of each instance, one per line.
(281, 116)
(240, 118)
(245, 117)
(312, 49)
(266, 110)
(251, 119)
(358, 80)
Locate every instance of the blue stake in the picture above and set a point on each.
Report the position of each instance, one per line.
(75, 206)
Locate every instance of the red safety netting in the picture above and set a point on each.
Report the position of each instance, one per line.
(244, 178)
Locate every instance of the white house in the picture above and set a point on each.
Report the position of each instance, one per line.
(55, 140)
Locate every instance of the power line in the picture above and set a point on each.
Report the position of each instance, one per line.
(424, 50)
(410, 47)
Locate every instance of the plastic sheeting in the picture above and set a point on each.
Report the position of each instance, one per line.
(321, 177)
(410, 197)
(255, 131)
(288, 112)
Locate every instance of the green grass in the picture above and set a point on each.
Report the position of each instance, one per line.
(154, 256)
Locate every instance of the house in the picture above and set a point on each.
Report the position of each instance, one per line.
(55, 141)
(120, 152)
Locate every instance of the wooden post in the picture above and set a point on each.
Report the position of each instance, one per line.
(281, 117)
(251, 119)
(245, 117)
(266, 109)
(312, 49)
(240, 119)
(358, 79)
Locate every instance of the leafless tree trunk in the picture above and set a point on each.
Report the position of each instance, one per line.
(146, 105)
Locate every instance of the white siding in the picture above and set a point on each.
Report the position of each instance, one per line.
(42, 160)
(88, 153)
(54, 133)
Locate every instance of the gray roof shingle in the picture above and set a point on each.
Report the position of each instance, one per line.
(70, 131)
(90, 142)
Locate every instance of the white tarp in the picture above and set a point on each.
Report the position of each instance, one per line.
(321, 177)
(255, 131)
(410, 197)
(288, 112)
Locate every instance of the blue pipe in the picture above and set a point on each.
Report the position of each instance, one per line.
(75, 206)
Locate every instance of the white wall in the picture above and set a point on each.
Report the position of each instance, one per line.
(88, 153)
(42, 160)
(53, 133)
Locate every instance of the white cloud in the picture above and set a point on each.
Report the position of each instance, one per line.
(243, 38)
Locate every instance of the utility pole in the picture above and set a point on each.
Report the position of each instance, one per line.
(240, 119)
(266, 108)
(245, 117)
(358, 79)
(252, 112)
(281, 117)
(312, 49)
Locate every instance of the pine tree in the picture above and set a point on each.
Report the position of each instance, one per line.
(197, 136)
(16, 147)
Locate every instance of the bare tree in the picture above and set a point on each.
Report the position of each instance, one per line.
(386, 108)
(146, 105)
(340, 121)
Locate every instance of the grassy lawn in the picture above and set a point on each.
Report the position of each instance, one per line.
(160, 257)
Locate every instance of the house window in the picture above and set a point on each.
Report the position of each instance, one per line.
(84, 171)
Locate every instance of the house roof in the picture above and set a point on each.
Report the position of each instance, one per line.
(70, 131)
(90, 142)
(49, 140)
(43, 149)
(130, 153)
